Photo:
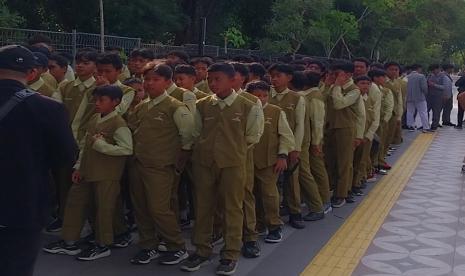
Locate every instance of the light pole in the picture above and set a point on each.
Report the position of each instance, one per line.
(102, 28)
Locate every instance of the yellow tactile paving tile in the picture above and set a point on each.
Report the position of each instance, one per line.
(344, 250)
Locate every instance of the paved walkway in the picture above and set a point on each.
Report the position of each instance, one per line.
(424, 233)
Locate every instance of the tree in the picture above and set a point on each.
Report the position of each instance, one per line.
(290, 25)
(7, 18)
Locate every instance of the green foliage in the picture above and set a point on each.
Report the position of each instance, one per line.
(7, 18)
(235, 37)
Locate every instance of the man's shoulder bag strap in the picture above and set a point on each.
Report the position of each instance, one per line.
(14, 100)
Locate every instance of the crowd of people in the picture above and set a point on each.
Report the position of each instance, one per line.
(232, 148)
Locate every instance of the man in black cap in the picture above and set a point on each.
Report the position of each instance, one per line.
(34, 138)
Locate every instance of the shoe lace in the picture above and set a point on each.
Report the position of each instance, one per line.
(179, 253)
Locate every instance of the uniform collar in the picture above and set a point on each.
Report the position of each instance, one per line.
(239, 91)
(348, 84)
(274, 93)
(159, 99)
(265, 105)
(37, 84)
(107, 117)
(117, 83)
(87, 83)
(171, 88)
(229, 100)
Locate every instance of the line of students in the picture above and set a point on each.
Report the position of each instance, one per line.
(215, 143)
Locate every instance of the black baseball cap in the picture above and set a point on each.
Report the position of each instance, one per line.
(17, 58)
(41, 59)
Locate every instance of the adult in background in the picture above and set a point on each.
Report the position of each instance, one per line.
(448, 100)
(435, 94)
(34, 138)
(417, 89)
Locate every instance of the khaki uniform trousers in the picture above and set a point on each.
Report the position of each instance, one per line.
(361, 163)
(267, 198)
(82, 199)
(152, 192)
(250, 218)
(308, 186)
(339, 152)
(221, 188)
(318, 169)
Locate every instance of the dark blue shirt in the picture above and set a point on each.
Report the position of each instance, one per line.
(34, 138)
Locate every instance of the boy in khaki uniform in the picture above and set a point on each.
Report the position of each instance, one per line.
(250, 236)
(387, 105)
(395, 83)
(294, 106)
(96, 178)
(201, 66)
(270, 160)
(308, 186)
(371, 96)
(185, 77)
(317, 113)
(226, 125)
(57, 67)
(37, 83)
(159, 120)
(76, 96)
(345, 129)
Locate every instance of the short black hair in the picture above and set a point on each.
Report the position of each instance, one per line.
(161, 69)
(281, 68)
(317, 62)
(415, 66)
(113, 48)
(313, 79)
(376, 73)
(362, 59)
(131, 81)
(447, 67)
(377, 65)
(391, 63)
(110, 58)
(87, 56)
(59, 59)
(40, 49)
(205, 60)
(299, 80)
(223, 67)
(185, 69)
(114, 92)
(434, 66)
(41, 60)
(241, 68)
(257, 85)
(143, 53)
(362, 78)
(345, 66)
(257, 69)
(243, 58)
(39, 38)
(180, 54)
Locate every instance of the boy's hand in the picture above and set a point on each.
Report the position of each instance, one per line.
(330, 79)
(357, 142)
(293, 157)
(316, 150)
(182, 159)
(342, 78)
(280, 166)
(101, 80)
(97, 136)
(76, 177)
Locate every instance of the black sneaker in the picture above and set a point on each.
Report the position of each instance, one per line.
(363, 185)
(314, 216)
(338, 202)
(54, 226)
(61, 247)
(295, 220)
(251, 249)
(173, 257)
(145, 256)
(123, 240)
(357, 191)
(226, 267)
(217, 240)
(194, 262)
(94, 252)
(350, 198)
(458, 127)
(274, 236)
(89, 239)
(327, 208)
(411, 129)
